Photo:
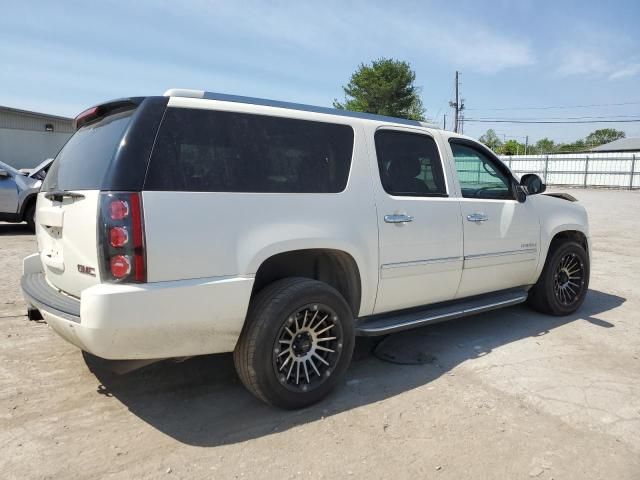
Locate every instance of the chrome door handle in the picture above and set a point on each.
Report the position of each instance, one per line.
(477, 217)
(398, 218)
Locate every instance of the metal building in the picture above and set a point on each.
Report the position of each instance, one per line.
(27, 138)
(620, 145)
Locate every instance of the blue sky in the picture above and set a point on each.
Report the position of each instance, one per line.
(61, 57)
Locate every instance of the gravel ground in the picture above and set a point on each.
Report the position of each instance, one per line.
(509, 394)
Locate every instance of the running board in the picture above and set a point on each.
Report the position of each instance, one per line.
(386, 323)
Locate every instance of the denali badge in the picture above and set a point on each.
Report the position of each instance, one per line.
(87, 270)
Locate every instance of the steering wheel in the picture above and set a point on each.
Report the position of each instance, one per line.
(481, 189)
(486, 169)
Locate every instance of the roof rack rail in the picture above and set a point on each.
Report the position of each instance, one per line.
(186, 93)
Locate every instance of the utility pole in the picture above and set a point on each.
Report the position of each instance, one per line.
(455, 129)
(444, 122)
(526, 144)
(457, 105)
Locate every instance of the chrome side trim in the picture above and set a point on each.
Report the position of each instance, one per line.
(504, 303)
(501, 254)
(416, 263)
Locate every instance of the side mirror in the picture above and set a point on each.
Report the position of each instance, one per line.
(532, 184)
(521, 194)
(4, 174)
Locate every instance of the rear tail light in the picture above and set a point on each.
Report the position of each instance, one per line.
(121, 234)
(120, 266)
(87, 116)
(118, 209)
(118, 237)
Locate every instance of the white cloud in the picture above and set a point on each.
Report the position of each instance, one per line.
(629, 71)
(575, 61)
(472, 46)
(600, 53)
(362, 27)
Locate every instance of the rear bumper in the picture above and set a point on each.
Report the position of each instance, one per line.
(144, 321)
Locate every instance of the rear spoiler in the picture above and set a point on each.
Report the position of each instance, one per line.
(97, 112)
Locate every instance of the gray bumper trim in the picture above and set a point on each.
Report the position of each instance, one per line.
(43, 296)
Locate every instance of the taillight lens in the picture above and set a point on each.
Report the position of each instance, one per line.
(118, 237)
(120, 266)
(121, 233)
(118, 209)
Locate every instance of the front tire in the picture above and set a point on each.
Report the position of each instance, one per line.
(296, 344)
(564, 280)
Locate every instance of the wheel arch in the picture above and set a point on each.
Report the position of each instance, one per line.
(575, 235)
(335, 267)
(575, 232)
(26, 203)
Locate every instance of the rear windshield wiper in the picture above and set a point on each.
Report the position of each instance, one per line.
(58, 195)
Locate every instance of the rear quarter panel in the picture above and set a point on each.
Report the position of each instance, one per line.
(200, 235)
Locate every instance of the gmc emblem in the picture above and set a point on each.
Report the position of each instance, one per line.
(87, 270)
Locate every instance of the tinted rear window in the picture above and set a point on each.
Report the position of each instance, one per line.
(409, 164)
(213, 151)
(83, 161)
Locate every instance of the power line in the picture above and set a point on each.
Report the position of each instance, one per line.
(443, 104)
(479, 120)
(585, 117)
(558, 106)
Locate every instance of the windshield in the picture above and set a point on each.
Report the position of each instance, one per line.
(84, 161)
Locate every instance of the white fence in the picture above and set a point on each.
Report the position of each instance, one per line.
(614, 170)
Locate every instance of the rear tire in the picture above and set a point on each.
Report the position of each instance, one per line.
(296, 343)
(564, 280)
(30, 217)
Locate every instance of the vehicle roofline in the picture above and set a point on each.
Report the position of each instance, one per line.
(224, 97)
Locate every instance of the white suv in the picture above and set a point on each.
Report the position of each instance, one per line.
(197, 223)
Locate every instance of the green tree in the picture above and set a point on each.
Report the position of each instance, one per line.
(491, 140)
(545, 145)
(512, 147)
(602, 136)
(386, 87)
(577, 146)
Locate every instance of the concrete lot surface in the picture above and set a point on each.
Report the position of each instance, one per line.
(509, 394)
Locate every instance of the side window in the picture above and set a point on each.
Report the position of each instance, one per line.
(409, 164)
(214, 151)
(478, 175)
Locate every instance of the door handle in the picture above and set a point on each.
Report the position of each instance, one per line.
(398, 218)
(477, 217)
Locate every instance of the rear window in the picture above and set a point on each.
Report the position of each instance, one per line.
(83, 161)
(213, 151)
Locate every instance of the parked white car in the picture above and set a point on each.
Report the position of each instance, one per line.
(18, 192)
(198, 223)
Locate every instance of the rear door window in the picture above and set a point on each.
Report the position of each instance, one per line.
(409, 164)
(214, 151)
(84, 160)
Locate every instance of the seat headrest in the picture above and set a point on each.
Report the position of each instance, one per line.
(405, 167)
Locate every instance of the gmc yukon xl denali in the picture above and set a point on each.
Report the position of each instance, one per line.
(197, 223)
